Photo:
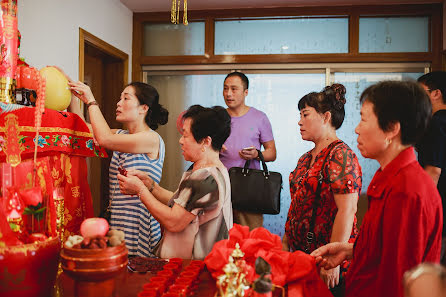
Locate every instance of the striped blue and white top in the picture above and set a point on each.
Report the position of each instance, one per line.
(128, 213)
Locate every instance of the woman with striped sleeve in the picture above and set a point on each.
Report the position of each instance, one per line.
(138, 147)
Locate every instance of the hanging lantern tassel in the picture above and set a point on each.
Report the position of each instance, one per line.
(175, 12)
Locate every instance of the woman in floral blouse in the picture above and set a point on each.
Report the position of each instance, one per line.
(321, 115)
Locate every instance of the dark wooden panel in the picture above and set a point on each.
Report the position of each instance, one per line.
(400, 9)
(298, 58)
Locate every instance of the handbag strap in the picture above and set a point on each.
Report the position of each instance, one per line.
(262, 160)
(310, 233)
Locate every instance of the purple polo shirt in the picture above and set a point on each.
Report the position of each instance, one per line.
(251, 129)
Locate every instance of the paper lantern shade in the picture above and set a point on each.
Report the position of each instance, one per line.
(58, 95)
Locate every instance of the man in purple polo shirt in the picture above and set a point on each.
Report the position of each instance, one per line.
(250, 129)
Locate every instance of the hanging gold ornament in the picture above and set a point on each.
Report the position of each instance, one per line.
(175, 12)
(185, 22)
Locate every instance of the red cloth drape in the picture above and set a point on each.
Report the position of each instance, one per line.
(297, 270)
(64, 143)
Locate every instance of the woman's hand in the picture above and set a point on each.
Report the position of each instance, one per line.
(330, 276)
(81, 91)
(333, 254)
(130, 185)
(144, 177)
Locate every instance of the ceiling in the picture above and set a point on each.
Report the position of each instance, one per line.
(164, 5)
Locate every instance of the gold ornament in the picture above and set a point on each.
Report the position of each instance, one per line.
(7, 90)
(233, 283)
(175, 12)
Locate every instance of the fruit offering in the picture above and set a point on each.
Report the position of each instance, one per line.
(99, 242)
(94, 227)
(113, 238)
(116, 237)
(73, 240)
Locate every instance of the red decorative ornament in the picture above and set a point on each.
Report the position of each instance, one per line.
(27, 77)
(8, 238)
(8, 50)
(9, 38)
(14, 206)
(32, 196)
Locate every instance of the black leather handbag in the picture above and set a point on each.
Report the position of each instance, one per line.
(256, 191)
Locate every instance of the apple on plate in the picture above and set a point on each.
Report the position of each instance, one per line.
(94, 227)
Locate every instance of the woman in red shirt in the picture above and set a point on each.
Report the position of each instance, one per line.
(321, 115)
(403, 224)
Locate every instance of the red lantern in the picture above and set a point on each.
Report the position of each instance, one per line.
(27, 77)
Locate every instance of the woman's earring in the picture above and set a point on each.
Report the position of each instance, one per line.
(388, 141)
(203, 149)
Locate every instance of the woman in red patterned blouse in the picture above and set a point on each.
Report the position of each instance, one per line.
(321, 115)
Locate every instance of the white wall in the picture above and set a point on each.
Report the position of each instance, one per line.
(50, 30)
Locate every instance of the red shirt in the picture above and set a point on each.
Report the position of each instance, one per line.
(401, 229)
(342, 175)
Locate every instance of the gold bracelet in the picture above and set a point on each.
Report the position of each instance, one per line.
(92, 103)
(152, 186)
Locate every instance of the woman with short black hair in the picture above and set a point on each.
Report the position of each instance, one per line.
(199, 213)
(402, 226)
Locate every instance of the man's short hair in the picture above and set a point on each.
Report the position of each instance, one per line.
(242, 76)
(435, 80)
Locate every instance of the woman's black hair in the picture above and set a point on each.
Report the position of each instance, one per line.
(403, 102)
(331, 98)
(148, 95)
(214, 122)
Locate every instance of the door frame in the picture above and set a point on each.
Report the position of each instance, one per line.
(86, 37)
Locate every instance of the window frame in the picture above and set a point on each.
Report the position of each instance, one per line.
(433, 56)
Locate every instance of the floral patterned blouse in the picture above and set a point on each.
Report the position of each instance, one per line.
(341, 175)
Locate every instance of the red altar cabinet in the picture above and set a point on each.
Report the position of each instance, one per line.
(63, 144)
(59, 175)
